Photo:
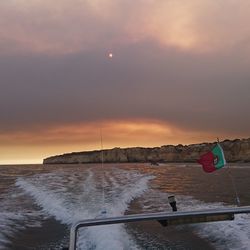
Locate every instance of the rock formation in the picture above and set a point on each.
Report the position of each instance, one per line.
(235, 151)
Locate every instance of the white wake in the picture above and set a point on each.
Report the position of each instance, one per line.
(70, 197)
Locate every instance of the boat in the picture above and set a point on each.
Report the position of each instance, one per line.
(164, 218)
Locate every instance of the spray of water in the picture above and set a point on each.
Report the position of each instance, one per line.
(81, 198)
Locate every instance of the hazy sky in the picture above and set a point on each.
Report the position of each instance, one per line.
(180, 73)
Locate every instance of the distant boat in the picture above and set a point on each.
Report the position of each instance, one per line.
(154, 163)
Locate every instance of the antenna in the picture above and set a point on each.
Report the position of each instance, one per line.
(103, 211)
(101, 147)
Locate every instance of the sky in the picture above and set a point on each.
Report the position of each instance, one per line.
(179, 74)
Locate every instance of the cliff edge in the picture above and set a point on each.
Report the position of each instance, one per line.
(235, 151)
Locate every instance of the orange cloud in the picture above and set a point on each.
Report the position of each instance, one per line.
(116, 131)
(34, 145)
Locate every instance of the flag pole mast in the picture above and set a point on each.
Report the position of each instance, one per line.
(234, 186)
(233, 182)
(214, 158)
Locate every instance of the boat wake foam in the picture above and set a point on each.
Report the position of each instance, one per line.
(223, 235)
(16, 214)
(70, 197)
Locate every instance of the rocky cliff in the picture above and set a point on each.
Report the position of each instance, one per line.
(235, 151)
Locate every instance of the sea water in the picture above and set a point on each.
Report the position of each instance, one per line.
(38, 204)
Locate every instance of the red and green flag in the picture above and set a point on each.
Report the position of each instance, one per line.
(213, 159)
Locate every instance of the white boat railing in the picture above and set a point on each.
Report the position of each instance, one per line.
(164, 218)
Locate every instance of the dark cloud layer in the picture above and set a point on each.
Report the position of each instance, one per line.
(179, 74)
(203, 91)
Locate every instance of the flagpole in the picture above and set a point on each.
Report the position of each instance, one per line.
(215, 159)
(234, 186)
(233, 182)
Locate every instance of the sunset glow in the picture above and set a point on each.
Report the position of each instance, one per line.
(33, 146)
(149, 73)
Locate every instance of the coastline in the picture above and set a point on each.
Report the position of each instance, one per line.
(236, 151)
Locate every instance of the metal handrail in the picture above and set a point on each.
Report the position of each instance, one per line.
(164, 218)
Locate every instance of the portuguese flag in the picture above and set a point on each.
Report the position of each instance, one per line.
(213, 160)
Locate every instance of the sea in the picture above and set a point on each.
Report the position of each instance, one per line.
(39, 203)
